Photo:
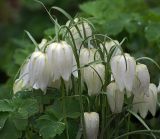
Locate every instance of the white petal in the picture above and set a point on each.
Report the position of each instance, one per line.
(115, 98)
(92, 124)
(152, 98)
(130, 73)
(94, 78)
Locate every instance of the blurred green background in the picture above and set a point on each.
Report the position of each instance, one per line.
(137, 20)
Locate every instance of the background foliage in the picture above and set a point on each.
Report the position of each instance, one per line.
(31, 115)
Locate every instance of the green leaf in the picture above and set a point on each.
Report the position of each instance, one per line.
(9, 131)
(31, 106)
(3, 118)
(5, 106)
(20, 124)
(49, 128)
(72, 108)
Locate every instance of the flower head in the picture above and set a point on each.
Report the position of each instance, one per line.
(124, 70)
(93, 76)
(92, 124)
(39, 73)
(143, 103)
(142, 80)
(115, 98)
(79, 29)
(60, 57)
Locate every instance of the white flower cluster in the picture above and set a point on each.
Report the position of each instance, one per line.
(56, 60)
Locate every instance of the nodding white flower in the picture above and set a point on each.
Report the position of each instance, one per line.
(60, 57)
(39, 73)
(115, 98)
(23, 81)
(142, 80)
(109, 45)
(124, 70)
(79, 29)
(87, 55)
(91, 120)
(159, 87)
(93, 76)
(41, 45)
(143, 103)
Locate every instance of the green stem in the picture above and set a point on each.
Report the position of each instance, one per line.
(64, 106)
(128, 124)
(102, 116)
(79, 80)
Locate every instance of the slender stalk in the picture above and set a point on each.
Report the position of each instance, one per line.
(128, 124)
(137, 132)
(64, 106)
(102, 116)
(79, 81)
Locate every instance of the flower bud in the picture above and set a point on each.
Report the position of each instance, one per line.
(143, 103)
(115, 98)
(60, 57)
(124, 70)
(92, 124)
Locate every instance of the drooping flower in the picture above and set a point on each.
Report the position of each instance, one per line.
(88, 55)
(92, 124)
(142, 80)
(93, 76)
(23, 81)
(159, 88)
(79, 29)
(109, 45)
(143, 103)
(115, 98)
(123, 70)
(39, 73)
(60, 57)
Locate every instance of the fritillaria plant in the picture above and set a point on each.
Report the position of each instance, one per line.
(93, 66)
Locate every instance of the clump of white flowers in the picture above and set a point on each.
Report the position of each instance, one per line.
(81, 59)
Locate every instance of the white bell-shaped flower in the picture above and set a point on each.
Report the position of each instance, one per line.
(91, 120)
(88, 55)
(109, 45)
(143, 103)
(123, 70)
(60, 57)
(39, 73)
(142, 80)
(79, 30)
(93, 76)
(159, 88)
(115, 98)
(23, 81)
